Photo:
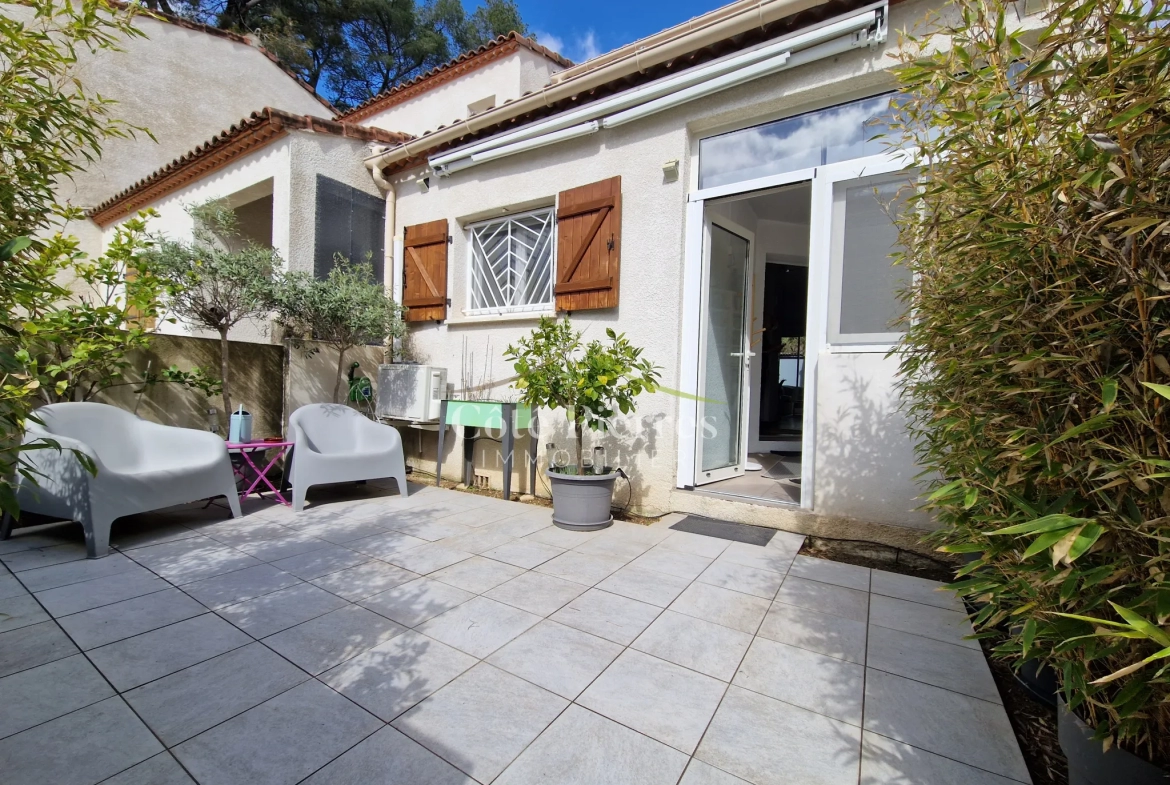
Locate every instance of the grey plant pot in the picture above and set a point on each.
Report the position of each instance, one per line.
(582, 503)
(1089, 765)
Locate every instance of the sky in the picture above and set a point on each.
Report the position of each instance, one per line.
(581, 30)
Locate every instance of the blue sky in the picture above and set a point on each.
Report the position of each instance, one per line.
(583, 30)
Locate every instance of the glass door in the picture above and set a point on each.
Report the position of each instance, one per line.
(724, 356)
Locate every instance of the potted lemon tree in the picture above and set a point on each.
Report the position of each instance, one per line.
(591, 383)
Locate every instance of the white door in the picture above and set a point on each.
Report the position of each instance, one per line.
(724, 352)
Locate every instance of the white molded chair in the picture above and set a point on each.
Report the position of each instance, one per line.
(334, 443)
(141, 466)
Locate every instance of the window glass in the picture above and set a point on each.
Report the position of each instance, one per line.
(512, 264)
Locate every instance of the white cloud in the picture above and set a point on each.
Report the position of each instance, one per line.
(587, 48)
(553, 42)
(583, 47)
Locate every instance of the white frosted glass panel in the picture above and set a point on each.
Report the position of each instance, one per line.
(870, 281)
(724, 371)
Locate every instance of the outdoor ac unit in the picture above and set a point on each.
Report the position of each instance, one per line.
(410, 392)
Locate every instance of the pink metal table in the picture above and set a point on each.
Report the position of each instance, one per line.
(247, 449)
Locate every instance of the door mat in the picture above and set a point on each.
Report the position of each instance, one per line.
(725, 530)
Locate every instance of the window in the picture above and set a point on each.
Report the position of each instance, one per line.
(511, 264)
(351, 223)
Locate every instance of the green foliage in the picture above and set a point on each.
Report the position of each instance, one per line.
(345, 310)
(1035, 369)
(591, 382)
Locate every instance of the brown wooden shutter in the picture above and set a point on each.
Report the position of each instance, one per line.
(424, 271)
(589, 246)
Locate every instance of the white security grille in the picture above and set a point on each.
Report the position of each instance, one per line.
(511, 265)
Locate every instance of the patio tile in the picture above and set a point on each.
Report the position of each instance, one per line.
(342, 531)
(162, 769)
(187, 561)
(426, 559)
(479, 540)
(824, 633)
(618, 619)
(848, 575)
(46, 578)
(758, 556)
(955, 668)
(907, 587)
(414, 602)
(928, 621)
(587, 569)
(329, 640)
(31, 646)
(32, 538)
(247, 530)
(559, 658)
(666, 702)
(673, 562)
(786, 541)
(699, 773)
(126, 538)
(480, 516)
(385, 546)
(608, 544)
(17, 612)
(432, 530)
(322, 561)
(77, 597)
(558, 537)
(816, 682)
(49, 691)
(700, 645)
(695, 544)
(955, 726)
(280, 741)
(824, 597)
(745, 736)
(19, 561)
(393, 676)
(479, 626)
(135, 661)
(292, 544)
(613, 754)
(742, 578)
(477, 574)
(194, 699)
(10, 586)
(389, 758)
(233, 587)
(528, 525)
(638, 583)
(271, 613)
(364, 580)
(886, 761)
(536, 593)
(525, 554)
(732, 609)
(482, 720)
(109, 623)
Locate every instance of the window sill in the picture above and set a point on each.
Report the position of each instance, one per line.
(860, 348)
(515, 316)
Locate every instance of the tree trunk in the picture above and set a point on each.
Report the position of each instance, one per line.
(223, 374)
(340, 373)
(579, 430)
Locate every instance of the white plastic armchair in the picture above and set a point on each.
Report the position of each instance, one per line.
(334, 443)
(141, 466)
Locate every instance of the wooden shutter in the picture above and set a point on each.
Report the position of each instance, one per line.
(589, 246)
(424, 271)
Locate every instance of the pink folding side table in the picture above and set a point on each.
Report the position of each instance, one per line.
(247, 449)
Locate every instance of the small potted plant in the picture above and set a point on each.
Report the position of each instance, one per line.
(591, 382)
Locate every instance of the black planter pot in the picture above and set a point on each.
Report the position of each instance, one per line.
(1040, 682)
(1088, 765)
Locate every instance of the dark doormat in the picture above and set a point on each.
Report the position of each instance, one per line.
(725, 530)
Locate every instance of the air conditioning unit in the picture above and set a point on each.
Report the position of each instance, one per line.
(410, 392)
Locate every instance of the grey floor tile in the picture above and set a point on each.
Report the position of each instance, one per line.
(825, 633)
(697, 544)
(614, 755)
(618, 619)
(585, 568)
(699, 773)
(364, 580)
(559, 658)
(673, 562)
(77, 597)
(955, 726)
(639, 583)
(192, 700)
(816, 750)
(426, 559)
(537, 593)
(245, 531)
(33, 537)
(20, 611)
(10, 586)
(190, 560)
(479, 540)
(77, 571)
(321, 561)
(162, 769)
(321, 643)
(284, 547)
(824, 597)
(19, 561)
(389, 758)
(385, 546)
(132, 662)
(83, 747)
(528, 525)
(414, 602)
(109, 623)
(608, 544)
(432, 530)
(342, 531)
(525, 554)
(742, 578)
(150, 532)
(480, 517)
(479, 626)
(477, 574)
(760, 557)
(393, 676)
(31, 646)
(666, 702)
(729, 608)
(817, 682)
(848, 575)
(695, 643)
(955, 668)
(482, 720)
(224, 590)
(271, 613)
(885, 761)
(929, 621)
(282, 740)
(907, 587)
(557, 537)
(46, 692)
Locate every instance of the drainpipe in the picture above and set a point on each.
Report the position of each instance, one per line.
(389, 272)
